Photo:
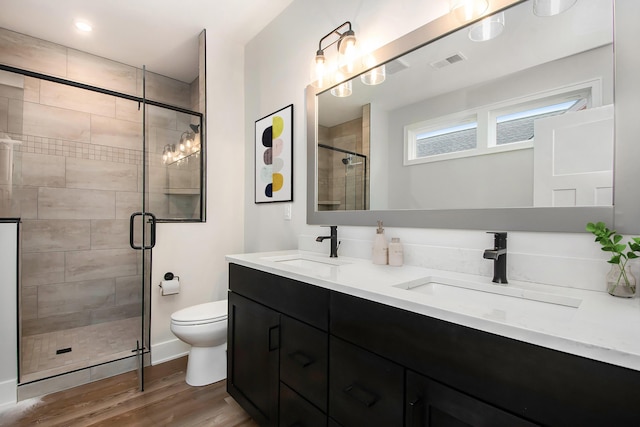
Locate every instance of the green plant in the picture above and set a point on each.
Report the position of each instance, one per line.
(610, 242)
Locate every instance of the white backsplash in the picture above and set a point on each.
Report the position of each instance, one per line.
(570, 260)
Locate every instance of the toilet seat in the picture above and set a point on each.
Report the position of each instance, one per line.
(201, 314)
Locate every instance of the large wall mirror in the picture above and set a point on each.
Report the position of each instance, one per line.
(512, 131)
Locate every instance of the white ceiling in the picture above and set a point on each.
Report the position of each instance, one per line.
(160, 34)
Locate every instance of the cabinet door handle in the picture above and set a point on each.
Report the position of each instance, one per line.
(301, 359)
(361, 395)
(274, 338)
(415, 412)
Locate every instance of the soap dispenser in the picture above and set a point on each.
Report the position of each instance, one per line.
(396, 252)
(380, 247)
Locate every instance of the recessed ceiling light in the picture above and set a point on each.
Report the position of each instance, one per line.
(83, 26)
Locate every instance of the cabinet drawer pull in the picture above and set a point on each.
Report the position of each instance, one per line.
(301, 359)
(361, 395)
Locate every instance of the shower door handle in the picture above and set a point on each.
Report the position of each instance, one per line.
(152, 221)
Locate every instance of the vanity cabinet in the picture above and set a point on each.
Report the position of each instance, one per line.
(277, 365)
(533, 383)
(302, 355)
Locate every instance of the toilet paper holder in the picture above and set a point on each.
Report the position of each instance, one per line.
(170, 285)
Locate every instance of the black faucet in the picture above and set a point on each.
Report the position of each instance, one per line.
(334, 241)
(499, 256)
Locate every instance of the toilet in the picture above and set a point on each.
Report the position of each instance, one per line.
(204, 327)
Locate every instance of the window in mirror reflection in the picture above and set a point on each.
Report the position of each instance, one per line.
(509, 125)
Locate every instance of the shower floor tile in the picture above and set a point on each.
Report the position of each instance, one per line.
(90, 345)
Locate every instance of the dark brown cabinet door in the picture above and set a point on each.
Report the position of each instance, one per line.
(304, 359)
(253, 358)
(431, 404)
(364, 389)
(295, 411)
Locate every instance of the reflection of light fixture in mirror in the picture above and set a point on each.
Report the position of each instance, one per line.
(346, 46)
(374, 76)
(487, 29)
(466, 10)
(169, 153)
(551, 7)
(342, 90)
(189, 144)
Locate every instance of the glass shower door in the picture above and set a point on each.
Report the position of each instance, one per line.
(77, 162)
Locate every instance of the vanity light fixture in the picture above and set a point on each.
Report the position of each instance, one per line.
(346, 45)
(466, 10)
(487, 29)
(551, 7)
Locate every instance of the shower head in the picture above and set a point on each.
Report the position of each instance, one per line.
(195, 128)
(346, 160)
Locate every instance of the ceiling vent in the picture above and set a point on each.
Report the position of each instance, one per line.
(396, 66)
(456, 57)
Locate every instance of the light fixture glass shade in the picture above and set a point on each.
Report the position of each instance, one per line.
(319, 71)
(466, 10)
(347, 57)
(551, 7)
(374, 76)
(342, 90)
(487, 29)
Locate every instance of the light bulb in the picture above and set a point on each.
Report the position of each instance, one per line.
(318, 70)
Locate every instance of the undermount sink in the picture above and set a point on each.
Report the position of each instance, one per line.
(457, 288)
(306, 261)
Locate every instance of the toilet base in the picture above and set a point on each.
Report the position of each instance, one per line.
(206, 365)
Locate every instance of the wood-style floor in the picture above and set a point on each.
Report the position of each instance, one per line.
(166, 401)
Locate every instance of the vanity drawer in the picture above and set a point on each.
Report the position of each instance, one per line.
(303, 360)
(299, 300)
(296, 411)
(364, 389)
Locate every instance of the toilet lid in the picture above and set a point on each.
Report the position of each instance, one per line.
(202, 313)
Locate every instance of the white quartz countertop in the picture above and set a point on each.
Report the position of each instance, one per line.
(601, 327)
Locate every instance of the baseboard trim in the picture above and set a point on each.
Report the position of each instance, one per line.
(168, 350)
(8, 393)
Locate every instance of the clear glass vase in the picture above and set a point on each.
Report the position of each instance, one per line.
(621, 282)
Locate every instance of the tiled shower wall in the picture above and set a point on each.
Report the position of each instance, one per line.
(78, 177)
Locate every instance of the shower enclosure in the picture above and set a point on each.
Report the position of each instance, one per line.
(343, 161)
(342, 183)
(92, 171)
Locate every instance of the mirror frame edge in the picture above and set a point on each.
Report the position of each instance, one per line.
(557, 219)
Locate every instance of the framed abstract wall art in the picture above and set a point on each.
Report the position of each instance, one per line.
(274, 157)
